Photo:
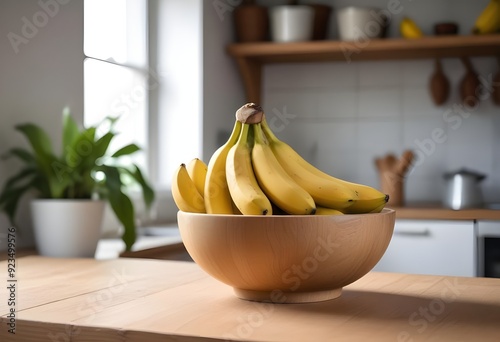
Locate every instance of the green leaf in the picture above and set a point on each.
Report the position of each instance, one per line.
(13, 181)
(12, 196)
(147, 191)
(120, 203)
(20, 153)
(39, 140)
(124, 211)
(41, 145)
(60, 178)
(101, 145)
(129, 149)
(71, 131)
(76, 154)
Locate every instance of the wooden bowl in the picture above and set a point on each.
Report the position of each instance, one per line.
(287, 259)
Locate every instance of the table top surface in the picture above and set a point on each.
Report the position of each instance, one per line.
(155, 300)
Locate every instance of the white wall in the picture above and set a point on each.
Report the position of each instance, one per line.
(45, 75)
(222, 90)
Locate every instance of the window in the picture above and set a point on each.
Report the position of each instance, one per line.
(115, 70)
(143, 63)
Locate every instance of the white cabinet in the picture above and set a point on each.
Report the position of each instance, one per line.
(431, 247)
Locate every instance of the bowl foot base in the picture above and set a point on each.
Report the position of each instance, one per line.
(281, 297)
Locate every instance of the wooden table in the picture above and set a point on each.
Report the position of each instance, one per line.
(155, 300)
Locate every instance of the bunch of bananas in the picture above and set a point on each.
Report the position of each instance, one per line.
(255, 173)
(489, 19)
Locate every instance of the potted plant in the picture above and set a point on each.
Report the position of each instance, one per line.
(73, 185)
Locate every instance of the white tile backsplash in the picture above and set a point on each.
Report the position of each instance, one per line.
(296, 103)
(380, 73)
(416, 73)
(379, 102)
(336, 103)
(349, 114)
(418, 103)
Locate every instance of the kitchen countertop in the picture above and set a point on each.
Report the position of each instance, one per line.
(151, 240)
(151, 237)
(152, 300)
(435, 211)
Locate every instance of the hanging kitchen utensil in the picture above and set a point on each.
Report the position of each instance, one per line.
(495, 95)
(469, 87)
(439, 85)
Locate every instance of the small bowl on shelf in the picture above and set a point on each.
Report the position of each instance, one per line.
(443, 29)
(287, 258)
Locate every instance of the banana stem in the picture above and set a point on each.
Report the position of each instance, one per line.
(268, 132)
(258, 135)
(243, 139)
(233, 138)
(467, 63)
(250, 113)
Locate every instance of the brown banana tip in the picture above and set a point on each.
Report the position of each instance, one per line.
(313, 211)
(265, 211)
(250, 113)
(350, 200)
(386, 198)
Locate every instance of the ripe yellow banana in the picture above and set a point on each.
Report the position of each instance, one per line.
(409, 29)
(378, 209)
(370, 200)
(367, 199)
(327, 211)
(184, 192)
(489, 19)
(326, 191)
(279, 187)
(243, 186)
(197, 171)
(217, 197)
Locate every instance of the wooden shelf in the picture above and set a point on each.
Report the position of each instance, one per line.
(251, 56)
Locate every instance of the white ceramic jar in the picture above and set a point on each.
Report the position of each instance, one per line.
(291, 23)
(359, 23)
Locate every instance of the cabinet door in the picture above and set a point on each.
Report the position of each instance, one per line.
(431, 247)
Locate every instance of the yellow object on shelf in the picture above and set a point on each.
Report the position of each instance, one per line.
(409, 29)
(489, 19)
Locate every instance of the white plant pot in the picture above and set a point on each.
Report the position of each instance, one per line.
(291, 23)
(67, 228)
